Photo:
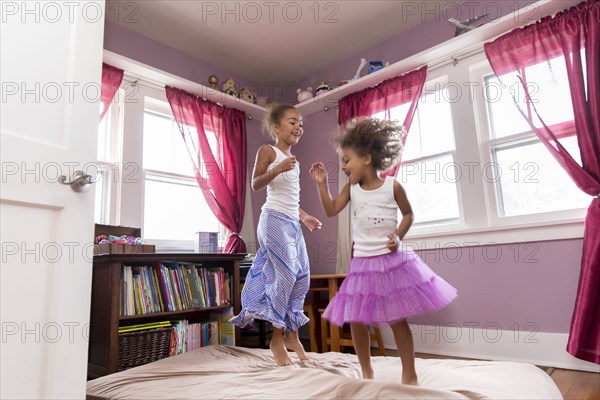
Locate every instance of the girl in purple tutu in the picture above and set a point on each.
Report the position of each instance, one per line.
(386, 282)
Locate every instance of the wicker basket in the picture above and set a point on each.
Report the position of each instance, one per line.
(139, 348)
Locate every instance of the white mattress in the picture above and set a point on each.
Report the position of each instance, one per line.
(240, 373)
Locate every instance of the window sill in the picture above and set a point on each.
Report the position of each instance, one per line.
(176, 246)
(172, 246)
(454, 236)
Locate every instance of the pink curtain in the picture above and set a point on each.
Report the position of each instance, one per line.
(565, 35)
(220, 172)
(386, 95)
(111, 81)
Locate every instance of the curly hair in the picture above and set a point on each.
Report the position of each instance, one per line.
(275, 112)
(381, 139)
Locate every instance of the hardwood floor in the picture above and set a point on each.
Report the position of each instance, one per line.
(577, 385)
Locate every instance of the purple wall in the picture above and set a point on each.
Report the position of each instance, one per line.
(314, 146)
(321, 244)
(529, 287)
(508, 292)
(521, 286)
(509, 285)
(434, 29)
(255, 139)
(130, 44)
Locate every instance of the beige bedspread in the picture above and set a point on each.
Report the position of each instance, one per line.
(218, 372)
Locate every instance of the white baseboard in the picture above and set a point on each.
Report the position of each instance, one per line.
(491, 343)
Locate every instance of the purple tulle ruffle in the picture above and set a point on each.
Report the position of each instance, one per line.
(387, 289)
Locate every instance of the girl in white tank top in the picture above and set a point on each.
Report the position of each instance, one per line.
(386, 282)
(279, 278)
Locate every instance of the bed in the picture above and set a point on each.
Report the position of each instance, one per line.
(235, 372)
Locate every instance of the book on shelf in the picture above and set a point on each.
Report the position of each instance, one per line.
(187, 336)
(226, 328)
(172, 286)
(143, 327)
(191, 277)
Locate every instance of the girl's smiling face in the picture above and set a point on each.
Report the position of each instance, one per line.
(289, 129)
(355, 166)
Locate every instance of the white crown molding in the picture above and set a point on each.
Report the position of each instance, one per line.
(159, 78)
(448, 50)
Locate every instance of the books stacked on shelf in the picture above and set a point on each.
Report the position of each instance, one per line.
(188, 336)
(144, 327)
(172, 287)
(226, 328)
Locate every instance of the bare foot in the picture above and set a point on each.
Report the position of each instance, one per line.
(293, 343)
(277, 346)
(410, 380)
(367, 373)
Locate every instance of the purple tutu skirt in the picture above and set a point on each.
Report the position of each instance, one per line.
(387, 289)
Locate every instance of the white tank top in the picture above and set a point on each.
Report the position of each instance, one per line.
(374, 216)
(283, 192)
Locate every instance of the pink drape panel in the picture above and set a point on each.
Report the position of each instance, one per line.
(221, 175)
(565, 35)
(111, 81)
(388, 94)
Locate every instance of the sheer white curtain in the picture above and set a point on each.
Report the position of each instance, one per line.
(344, 239)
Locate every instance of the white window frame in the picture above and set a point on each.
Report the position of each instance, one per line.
(432, 85)
(108, 170)
(158, 105)
(480, 221)
(479, 72)
(124, 203)
(166, 244)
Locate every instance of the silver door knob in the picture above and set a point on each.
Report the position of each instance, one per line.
(80, 182)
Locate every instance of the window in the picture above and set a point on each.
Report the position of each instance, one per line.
(174, 206)
(475, 172)
(145, 176)
(108, 156)
(525, 175)
(428, 168)
(529, 180)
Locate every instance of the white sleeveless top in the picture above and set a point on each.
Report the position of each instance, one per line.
(283, 192)
(374, 216)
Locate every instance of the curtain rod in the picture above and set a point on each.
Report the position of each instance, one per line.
(148, 83)
(455, 59)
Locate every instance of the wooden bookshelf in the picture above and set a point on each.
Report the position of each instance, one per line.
(105, 313)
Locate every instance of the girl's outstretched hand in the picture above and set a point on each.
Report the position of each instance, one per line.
(312, 223)
(318, 172)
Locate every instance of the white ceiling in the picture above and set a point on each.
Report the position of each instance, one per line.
(269, 41)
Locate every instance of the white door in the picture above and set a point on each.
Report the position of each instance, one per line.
(51, 61)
